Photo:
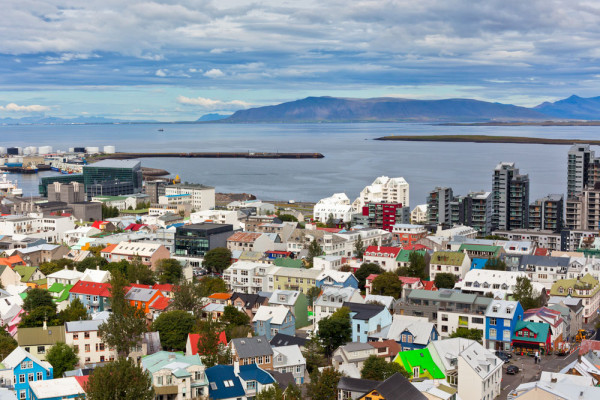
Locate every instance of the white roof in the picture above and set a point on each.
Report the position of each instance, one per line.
(54, 388)
(142, 249)
(387, 301)
(95, 275)
(275, 314)
(18, 355)
(565, 386)
(292, 355)
(449, 349)
(337, 292)
(419, 327)
(66, 274)
(483, 361)
(506, 279)
(501, 309)
(290, 297)
(336, 276)
(41, 247)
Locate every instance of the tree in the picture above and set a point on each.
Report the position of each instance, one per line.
(292, 392)
(323, 385)
(120, 380)
(495, 264)
(50, 267)
(359, 247)
(169, 270)
(91, 263)
(525, 295)
(287, 218)
(210, 285)
(417, 267)
(364, 271)
(109, 212)
(346, 268)
(473, 334)
(75, 311)
(187, 297)
(140, 273)
(335, 330)
(312, 294)
(211, 351)
(378, 369)
(62, 357)
(38, 316)
(387, 284)
(314, 250)
(174, 327)
(445, 280)
(37, 298)
(125, 325)
(217, 260)
(233, 318)
(314, 353)
(7, 343)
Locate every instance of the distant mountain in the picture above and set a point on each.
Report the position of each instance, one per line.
(211, 117)
(332, 109)
(574, 107)
(44, 120)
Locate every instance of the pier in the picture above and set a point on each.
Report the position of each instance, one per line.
(261, 155)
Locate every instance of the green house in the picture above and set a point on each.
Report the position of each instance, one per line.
(419, 364)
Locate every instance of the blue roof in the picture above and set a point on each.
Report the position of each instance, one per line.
(478, 263)
(217, 376)
(253, 373)
(177, 225)
(177, 195)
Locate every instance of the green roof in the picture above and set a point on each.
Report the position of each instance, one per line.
(41, 281)
(541, 330)
(480, 247)
(419, 358)
(23, 295)
(288, 263)
(157, 361)
(588, 282)
(404, 255)
(56, 287)
(142, 211)
(448, 258)
(62, 290)
(25, 272)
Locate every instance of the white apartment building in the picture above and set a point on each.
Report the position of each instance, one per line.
(216, 216)
(50, 228)
(327, 263)
(337, 206)
(201, 197)
(249, 277)
(479, 373)
(418, 215)
(500, 283)
(383, 190)
(83, 336)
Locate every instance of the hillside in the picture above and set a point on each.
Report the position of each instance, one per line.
(332, 109)
(574, 107)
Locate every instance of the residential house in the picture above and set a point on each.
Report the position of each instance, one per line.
(409, 332)
(65, 276)
(385, 257)
(295, 301)
(350, 357)
(83, 336)
(367, 319)
(481, 250)
(453, 262)
(575, 312)
(269, 321)
(249, 277)
(403, 258)
(529, 337)
(407, 234)
(550, 317)
(252, 241)
(586, 288)
(295, 279)
(325, 263)
(248, 303)
(37, 255)
(287, 340)
(353, 388)
(479, 373)
(213, 311)
(501, 284)
(419, 364)
(235, 382)
(220, 298)
(501, 318)
(337, 278)
(20, 368)
(191, 344)
(553, 385)
(31, 276)
(387, 349)
(37, 341)
(176, 376)
(8, 276)
(147, 252)
(331, 299)
(141, 298)
(396, 387)
(252, 350)
(12, 261)
(58, 389)
(290, 359)
(94, 296)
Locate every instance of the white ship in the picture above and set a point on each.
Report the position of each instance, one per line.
(9, 188)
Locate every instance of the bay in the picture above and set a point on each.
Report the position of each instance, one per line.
(352, 159)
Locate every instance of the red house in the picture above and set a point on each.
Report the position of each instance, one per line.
(530, 337)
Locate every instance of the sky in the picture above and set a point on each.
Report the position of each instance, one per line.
(178, 60)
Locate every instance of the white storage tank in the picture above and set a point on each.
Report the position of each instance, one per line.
(2, 150)
(110, 149)
(45, 150)
(2, 161)
(71, 149)
(92, 150)
(29, 150)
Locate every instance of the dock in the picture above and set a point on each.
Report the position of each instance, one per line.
(260, 155)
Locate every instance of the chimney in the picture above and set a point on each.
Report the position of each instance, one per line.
(236, 368)
(97, 267)
(45, 325)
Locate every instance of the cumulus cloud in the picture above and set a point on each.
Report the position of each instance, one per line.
(214, 73)
(212, 104)
(161, 73)
(34, 108)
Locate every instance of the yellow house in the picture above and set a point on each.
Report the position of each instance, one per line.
(295, 279)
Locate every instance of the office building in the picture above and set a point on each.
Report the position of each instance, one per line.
(196, 239)
(155, 189)
(385, 215)
(200, 197)
(510, 196)
(112, 177)
(547, 213)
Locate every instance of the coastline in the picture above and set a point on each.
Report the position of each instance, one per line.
(487, 139)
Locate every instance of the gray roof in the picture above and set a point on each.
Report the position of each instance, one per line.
(356, 385)
(364, 312)
(140, 294)
(502, 309)
(443, 295)
(545, 261)
(83, 326)
(357, 346)
(252, 347)
(115, 164)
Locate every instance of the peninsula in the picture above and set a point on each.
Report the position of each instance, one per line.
(486, 139)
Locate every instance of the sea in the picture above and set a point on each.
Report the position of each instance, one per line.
(353, 159)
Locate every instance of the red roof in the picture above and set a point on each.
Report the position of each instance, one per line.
(393, 251)
(139, 285)
(195, 337)
(97, 224)
(92, 288)
(429, 285)
(109, 248)
(541, 251)
(371, 277)
(135, 227)
(415, 246)
(83, 381)
(161, 303)
(330, 230)
(408, 279)
(164, 287)
(279, 252)
(588, 345)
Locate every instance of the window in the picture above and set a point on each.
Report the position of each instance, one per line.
(86, 335)
(159, 380)
(40, 376)
(267, 359)
(260, 360)
(22, 378)
(87, 348)
(297, 369)
(23, 394)
(492, 334)
(507, 323)
(75, 336)
(444, 328)
(76, 348)
(24, 365)
(41, 349)
(506, 335)
(198, 375)
(251, 385)
(30, 377)
(492, 321)
(477, 320)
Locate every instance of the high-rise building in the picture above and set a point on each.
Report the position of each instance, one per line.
(474, 210)
(510, 198)
(386, 215)
(580, 159)
(547, 213)
(583, 210)
(383, 190)
(439, 211)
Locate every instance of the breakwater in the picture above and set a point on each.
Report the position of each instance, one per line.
(125, 156)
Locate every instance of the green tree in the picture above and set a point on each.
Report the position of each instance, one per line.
(346, 268)
(335, 330)
(330, 223)
(7, 343)
(91, 263)
(38, 298)
(125, 325)
(314, 353)
(75, 311)
(312, 294)
(364, 271)
(62, 357)
(376, 368)
(169, 270)
(314, 250)
(211, 351)
(174, 327)
(210, 285)
(187, 297)
(287, 218)
(387, 284)
(37, 316)
(525, 294)
(120, 380)
(445, 280)
(495, 264)
(359, 247)
(217, 260)
(323, 385)
(233, 319)
(109, 212)
(50, 267)
(417, 266)
(473, 334)
(292, 392)
(138, 272)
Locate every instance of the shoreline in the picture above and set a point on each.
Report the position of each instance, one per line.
(487, 139)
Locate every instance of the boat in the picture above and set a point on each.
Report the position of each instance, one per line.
(9, 188)
(161, 130)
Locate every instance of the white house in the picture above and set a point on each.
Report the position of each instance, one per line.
(290, 359)
(83, 336)
(419, 214)
(383, 190)
(217, 216)
(65, 276)
(331, 299)
(479, 373)
(177, 376)
(500, 283)
(249, 277)
(337, 206)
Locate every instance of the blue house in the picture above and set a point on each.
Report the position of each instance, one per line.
(337, 278)
(237, 381)
(94, 296)
(409, 333)
(20, 368)
(367, 320)
(271, 320)
(501, 317)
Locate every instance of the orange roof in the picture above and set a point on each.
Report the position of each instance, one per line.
(244, 237)
(109, 248)
(83, 381)
(194, 338)
(12, 261)
(220, 296)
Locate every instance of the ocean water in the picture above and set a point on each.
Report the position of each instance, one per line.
(352, 158)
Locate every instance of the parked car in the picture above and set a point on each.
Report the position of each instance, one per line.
(512, 370)
(503, 356)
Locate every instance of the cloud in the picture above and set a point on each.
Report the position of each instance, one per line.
(160, 73)
(214, 73)
(211, 104)
(34, 108)
(66, 57)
